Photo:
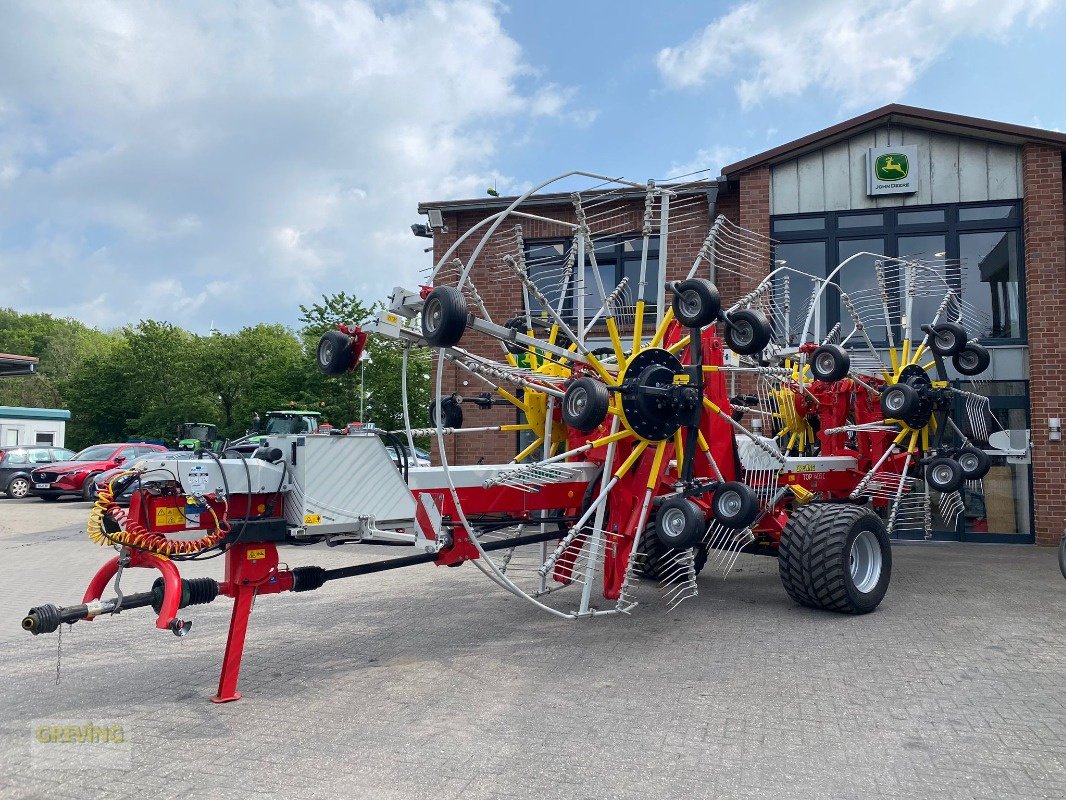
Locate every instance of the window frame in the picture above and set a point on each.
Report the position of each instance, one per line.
(891, 231)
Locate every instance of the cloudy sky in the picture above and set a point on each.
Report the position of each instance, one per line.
(218, 163)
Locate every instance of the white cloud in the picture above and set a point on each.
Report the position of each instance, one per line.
(866, 53)
(206, 161)
(708, 161)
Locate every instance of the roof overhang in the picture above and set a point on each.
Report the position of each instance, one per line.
(17, 365)
(479, 204)
(895, 114)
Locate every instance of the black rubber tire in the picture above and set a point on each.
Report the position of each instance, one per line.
(734, 505)
(655, 559)
(830, 363)
(747, 332)
(899, 401)
(444, 317)
(815, 556)
(679, 524)
(334, 353)
(696, 303)
(88, 489)
(18, 487)
(974, 462)
(944, 474)
(450, 410)
(971, 360)
(1062, 555)
(947, 339)
(585, 404)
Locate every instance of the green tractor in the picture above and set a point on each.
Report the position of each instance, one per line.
(281, 423)
(194, 435)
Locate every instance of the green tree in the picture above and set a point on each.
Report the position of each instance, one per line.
(377, 381)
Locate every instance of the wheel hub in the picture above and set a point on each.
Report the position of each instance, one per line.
(865, 562)
(652, 406)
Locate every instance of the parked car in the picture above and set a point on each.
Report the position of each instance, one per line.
(417, 458)
(123, 499)
(17, 463)
(76, 476)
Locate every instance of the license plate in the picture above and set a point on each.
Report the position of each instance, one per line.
(42, 486)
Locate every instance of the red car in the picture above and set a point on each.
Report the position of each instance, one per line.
(76, 476)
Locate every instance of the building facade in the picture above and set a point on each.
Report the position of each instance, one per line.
(898, 181)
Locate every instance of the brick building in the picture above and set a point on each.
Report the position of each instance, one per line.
(986, 194)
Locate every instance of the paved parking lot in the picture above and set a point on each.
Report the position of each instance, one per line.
(432, 683)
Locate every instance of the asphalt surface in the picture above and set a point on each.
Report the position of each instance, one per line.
(432, 683)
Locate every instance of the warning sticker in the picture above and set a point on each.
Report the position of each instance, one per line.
(312, 519)
(197, 478)
(168, 516)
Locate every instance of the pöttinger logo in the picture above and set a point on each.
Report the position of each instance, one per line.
(892, 167)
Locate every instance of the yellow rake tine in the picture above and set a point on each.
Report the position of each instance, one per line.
(678, 346)
(616, 341)
(530, 450)
(512, 399)
(638, 325)
(627, 465)
(656, 465)
(614, 437)
(668, 317)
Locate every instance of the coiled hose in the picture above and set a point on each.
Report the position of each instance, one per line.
(136, 536)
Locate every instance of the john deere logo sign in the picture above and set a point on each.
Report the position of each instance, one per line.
(889, 170)
(892, 167)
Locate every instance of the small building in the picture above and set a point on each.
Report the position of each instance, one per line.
(30, 426)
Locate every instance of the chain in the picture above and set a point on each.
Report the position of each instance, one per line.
(59, 653)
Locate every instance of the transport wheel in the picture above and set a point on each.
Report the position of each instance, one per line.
(944, 474)
(656, 560)
(830, 363)
(18, 487)
(975, 463)
(334, 353)
(899, 401)
(444, 316)
(835, 557)
(1062, 555)
(450, 410)
(971, 360)
(734, 505)
(696, 302)
(747, 332)
(948, 338)
(585, 404)
(88, 489)
(679, 523)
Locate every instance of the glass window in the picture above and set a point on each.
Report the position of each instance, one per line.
(616, 258)
(920, 217)
(62, 454)
(17, 457)
(861, 221)
(805, 224)
(925, 294)
(809, 258)
(988, 212)
(41, 455)
(45, 438)
(859, 281)
(990, 280)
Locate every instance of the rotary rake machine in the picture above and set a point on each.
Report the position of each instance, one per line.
(637, 467)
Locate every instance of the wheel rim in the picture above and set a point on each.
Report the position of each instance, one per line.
(577, 402)
(942, 474)
(325, 352)
(894, 400)
(968, 360)
(433, 313)
(968, 462)
(690, 304)
(825, 363)
(674, 522)
(729, 504)
(945, 340)
(743, 334)
(865, 562)
(19, 487)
